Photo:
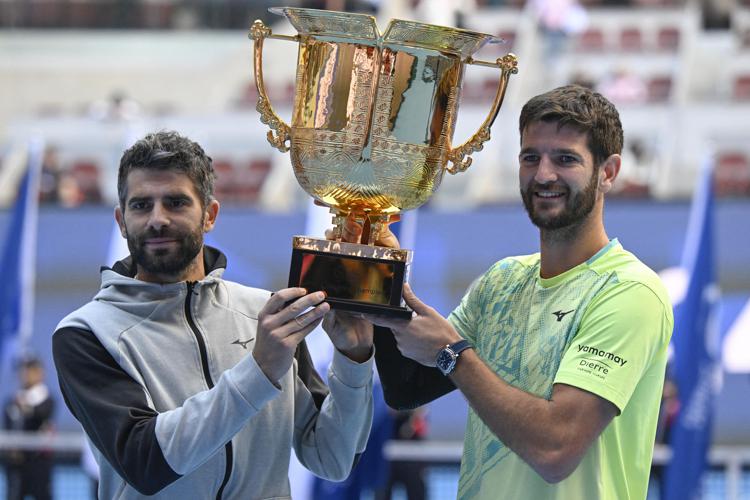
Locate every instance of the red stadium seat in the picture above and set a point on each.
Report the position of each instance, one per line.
(732, 174)
(591, 40)
(157, 14)
(510, 39)
(43, 13)
(224, 187)
(659, 88)
(741, 88)
(250, 181)
(631, 40)
(668, 39)
(743, 35)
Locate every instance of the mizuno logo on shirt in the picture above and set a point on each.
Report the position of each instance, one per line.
(243, 343)
(560, 314)
(602, 354)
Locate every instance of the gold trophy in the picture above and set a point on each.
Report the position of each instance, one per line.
(371, 132)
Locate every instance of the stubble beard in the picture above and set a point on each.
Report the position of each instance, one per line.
(162, 261)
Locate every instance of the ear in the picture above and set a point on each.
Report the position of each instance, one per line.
(212, 212)
(121, 221)
(608, 173)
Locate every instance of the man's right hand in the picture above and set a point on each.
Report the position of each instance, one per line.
(282, 327)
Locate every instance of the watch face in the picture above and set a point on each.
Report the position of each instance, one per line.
(445, 361)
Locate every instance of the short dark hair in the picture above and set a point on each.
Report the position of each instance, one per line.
(28, 362)
(168, 150)
(582, 108)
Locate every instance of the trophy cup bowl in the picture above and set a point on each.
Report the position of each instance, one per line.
(371, 132)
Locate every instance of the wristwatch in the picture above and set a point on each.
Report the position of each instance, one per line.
(448, 355)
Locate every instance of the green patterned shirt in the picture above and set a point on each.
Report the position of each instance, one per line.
(604, 327)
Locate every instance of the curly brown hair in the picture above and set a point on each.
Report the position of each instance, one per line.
(582, 108)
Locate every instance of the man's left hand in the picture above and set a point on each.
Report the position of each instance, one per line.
(350, 333)
(421, 337)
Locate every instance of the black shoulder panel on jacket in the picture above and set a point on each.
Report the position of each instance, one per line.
(112, 408)
(406, 383)
(309, 376)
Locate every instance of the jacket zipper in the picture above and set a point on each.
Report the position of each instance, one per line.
(209, 380)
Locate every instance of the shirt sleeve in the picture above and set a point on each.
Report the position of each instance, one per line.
(622, 331)
(465, 318)
(406, 383)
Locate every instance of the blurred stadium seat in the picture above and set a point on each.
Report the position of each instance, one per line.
(659, 88)
(250, 180)
(741, 88)
(631, 40)
(668, 38)
(225, 185)
(591, 40)
(732, 174)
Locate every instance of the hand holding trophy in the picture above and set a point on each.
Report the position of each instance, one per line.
(371, 133)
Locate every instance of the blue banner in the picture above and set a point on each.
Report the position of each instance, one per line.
(696, 370)
(18, 261)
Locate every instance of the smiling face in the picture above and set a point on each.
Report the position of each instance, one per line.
(558, 178)
(164, 222)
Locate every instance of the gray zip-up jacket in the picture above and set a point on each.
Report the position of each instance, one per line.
(163, 381)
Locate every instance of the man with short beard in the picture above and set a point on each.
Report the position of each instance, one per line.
(560, 354)
(191, 386)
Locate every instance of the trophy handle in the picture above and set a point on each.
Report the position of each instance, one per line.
(280, 132)
(460, 156)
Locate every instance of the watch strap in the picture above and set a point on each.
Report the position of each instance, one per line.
(459, 346)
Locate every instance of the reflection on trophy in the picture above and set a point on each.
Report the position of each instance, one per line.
(371, 133)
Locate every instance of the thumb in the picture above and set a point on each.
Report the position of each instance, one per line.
(413, 301)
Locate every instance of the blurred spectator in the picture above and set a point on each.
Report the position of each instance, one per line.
(117, 107)
(361, 6)
(29, 410)
(670, 407)
(69, 191)
(79, 184)
(557, 21)
(717, 14)
(444, 12)
(86, 173)
(623, 86)
(50, 176)
(583, 79)
(639, 158)
(407, 426)
(560, 17)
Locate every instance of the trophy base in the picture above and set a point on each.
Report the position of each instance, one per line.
(359, 278)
